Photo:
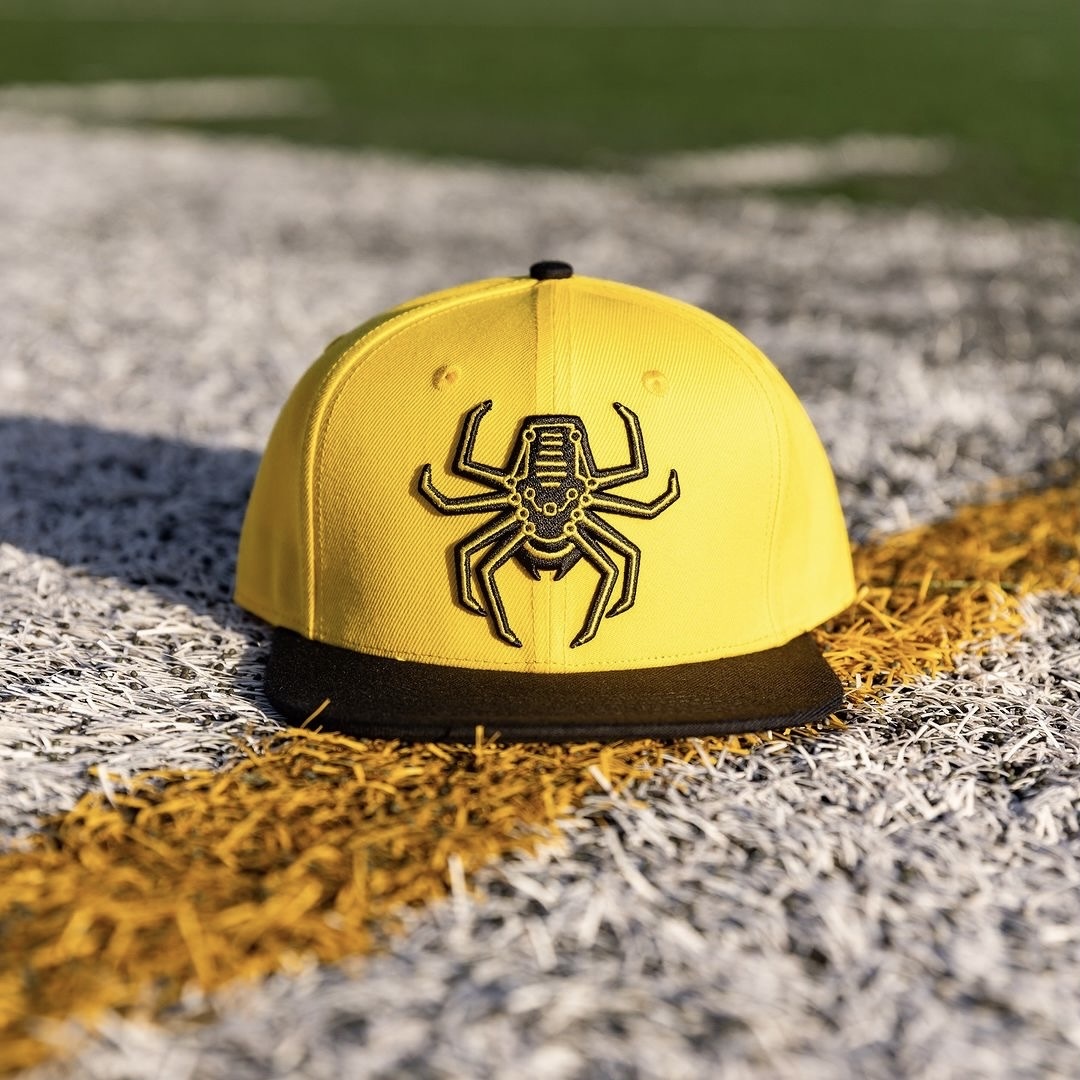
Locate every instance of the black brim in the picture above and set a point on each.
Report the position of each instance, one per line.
(376, 697)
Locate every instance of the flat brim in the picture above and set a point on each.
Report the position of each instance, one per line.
(379, 698)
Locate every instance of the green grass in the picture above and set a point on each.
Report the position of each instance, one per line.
(519, 83)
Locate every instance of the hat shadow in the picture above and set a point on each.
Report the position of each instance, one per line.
(156, 513)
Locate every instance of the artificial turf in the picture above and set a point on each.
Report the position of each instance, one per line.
(597, 85)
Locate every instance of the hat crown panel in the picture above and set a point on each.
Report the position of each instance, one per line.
(750, 554)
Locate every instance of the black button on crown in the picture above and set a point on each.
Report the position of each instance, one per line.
(550, 269)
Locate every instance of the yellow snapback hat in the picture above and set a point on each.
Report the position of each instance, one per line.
(554, 506)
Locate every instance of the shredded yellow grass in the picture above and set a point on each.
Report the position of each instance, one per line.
(929, 593)
(307, 849)
(313, 846)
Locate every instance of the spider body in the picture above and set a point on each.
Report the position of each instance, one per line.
(547, 503)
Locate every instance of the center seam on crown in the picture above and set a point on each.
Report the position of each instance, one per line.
(547, 359)
(562, 371)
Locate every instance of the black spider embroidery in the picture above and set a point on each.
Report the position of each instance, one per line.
(547, 503)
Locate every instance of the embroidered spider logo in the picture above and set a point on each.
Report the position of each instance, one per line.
(547, 503)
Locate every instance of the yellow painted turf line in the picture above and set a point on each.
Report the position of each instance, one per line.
(312, 847)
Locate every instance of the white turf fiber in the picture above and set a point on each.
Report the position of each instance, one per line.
(899, 899)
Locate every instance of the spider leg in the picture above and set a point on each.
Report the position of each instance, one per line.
(616, 504)
(486, 573)
(638, 468)
(463, 557)
(628, 550)
(463, 461)
(467, 504)
(599, 558)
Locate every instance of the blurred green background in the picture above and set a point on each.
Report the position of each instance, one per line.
(597, 84)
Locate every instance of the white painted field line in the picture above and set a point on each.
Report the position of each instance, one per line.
(169, 99)
(798, 164)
